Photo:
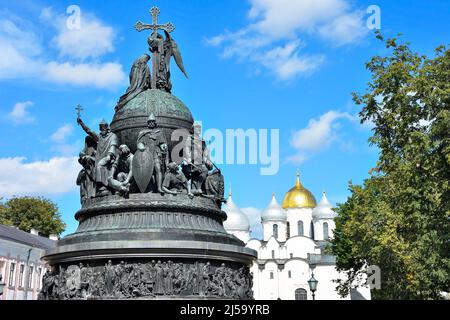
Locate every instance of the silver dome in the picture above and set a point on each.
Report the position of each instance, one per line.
(324, 209)
(237, 220)
(274, 212)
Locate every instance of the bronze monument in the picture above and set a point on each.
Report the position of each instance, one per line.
(151, 224)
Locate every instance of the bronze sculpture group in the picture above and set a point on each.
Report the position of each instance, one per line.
(110, 168)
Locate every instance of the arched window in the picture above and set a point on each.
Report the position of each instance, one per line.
(271, 275)
(273, 254)
(301, 294)
(288, 230)
(326, 234)
(311, 231)
(275, 231)
(301, 232)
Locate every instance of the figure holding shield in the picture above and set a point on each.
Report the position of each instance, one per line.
(147, 161)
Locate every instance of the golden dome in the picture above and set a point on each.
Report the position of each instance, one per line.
(299, 197)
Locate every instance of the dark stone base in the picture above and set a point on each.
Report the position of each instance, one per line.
(143, 279)
(160, 247)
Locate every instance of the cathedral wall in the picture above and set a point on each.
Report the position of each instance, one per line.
(318, 228)
(326, 288)
(273, 282)
(294, 275)
(268, 230)
(299, 247)
(269, 282)
(241, 235)
(271, 250)
(296, 215)
(256, 281)
(254, 244)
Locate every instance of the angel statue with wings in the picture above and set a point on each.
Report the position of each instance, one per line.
(163, 50)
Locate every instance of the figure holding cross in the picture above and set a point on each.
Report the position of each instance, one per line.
(162, 50)
(79, 108)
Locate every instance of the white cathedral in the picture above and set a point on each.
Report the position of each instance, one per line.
(292, 250)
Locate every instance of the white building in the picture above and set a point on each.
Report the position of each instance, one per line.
(21, 267)
(295, 235)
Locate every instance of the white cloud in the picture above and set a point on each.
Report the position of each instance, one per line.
(317, 136)
(52, 177)
(25, 56)
(20, 114)
(344, 29)
(47, 13)
(18, 49)
(286, 62)
(67, 149)
(276, 27)
(254, 216)
(61, 145)
(284, 18)
(319, 133)
(91, 40)
(298, 158)
(62, 133)
(103, 76)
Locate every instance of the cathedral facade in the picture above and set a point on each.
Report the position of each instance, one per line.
(296, 235)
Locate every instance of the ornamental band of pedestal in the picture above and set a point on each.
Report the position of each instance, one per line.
(150, 226)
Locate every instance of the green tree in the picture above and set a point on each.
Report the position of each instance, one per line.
(28, 213)
(3, 219)
(399, 219)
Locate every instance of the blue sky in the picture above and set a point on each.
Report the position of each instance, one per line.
(262, 64)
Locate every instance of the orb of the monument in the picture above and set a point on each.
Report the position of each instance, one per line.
(170, 112)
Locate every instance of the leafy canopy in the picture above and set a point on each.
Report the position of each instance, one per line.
(28, 213)
(399, 219)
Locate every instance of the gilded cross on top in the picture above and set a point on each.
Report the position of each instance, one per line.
(169, 27)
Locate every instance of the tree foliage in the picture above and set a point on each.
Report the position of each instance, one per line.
(28, 213)
(399, 218)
